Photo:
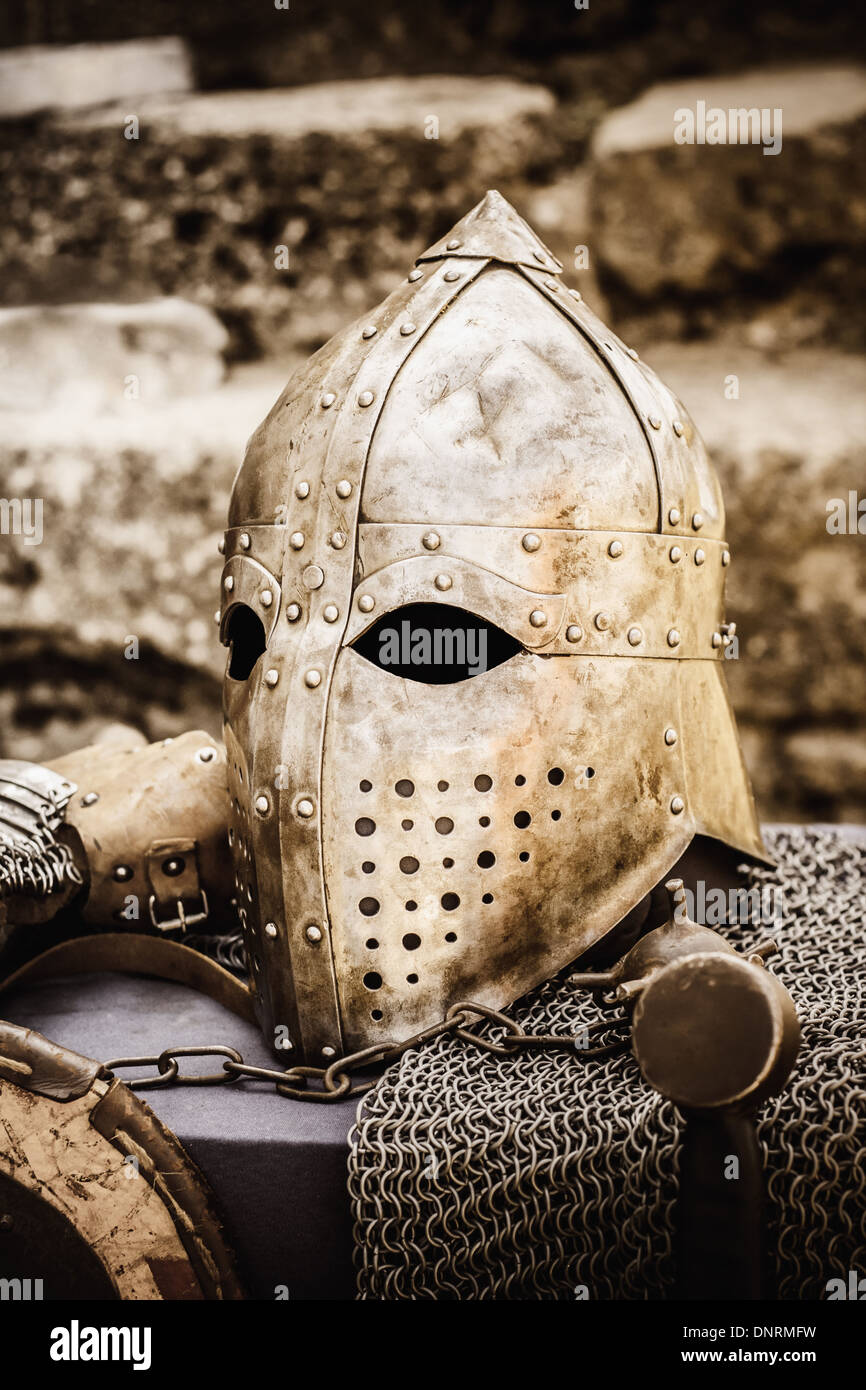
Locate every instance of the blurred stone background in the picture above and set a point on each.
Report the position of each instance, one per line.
(288, 166)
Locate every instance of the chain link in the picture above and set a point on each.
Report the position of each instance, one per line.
(334, 1082)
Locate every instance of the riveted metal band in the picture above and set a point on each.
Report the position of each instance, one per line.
(246, 581)
(625, 593)
(317, 580)
(685, 490)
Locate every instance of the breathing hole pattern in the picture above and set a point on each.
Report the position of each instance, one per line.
(451, 936)
(373, 980)
(365, 786)
(444, 825)
(411, 905)
(404, 787)
(447, 863)
(520, 780)
(556, 776)
(411, 979)
(364, 826)
(522, 819)
(523, 856)
(411, 941)
(372, 944)
(369, 906)
(555, 815)
(486, 859)
(450, 901)
(443, 786)
(483, 783)
(409, 865)
(407, 824)
(368, 866)
(487, 897)
(376, 1015)
(484, 821)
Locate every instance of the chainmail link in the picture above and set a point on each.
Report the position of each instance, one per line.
(537, 1175)
(40, 866)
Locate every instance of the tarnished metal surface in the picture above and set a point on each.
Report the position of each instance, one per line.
(481, 441)
(533, 1174)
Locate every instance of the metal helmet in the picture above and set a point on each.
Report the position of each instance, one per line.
(480, 442)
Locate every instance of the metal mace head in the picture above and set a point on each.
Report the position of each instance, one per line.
(711, 1029)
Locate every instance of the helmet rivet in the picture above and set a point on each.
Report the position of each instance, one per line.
(576, 294)
(314, 933)
(678, 428)
(635, 636)
(676, 554)
(655, 421)
(677, 805)
(415, 274)
(262, 805)
(121, 873)
(217, 617)
(366, 603)
(328, 1051)
(443, 582)
(89, 799)
(540, 256)
(670, 737)
(717, 639)
(726, 557)
(228, 583)
(406, 330)
(293, 612)
(205, 755)
(330, 613)
(697, 521)
(574, 632)
(452, 245)
(614, 550)
(430, 541)
(296, 540)
(305, 808)
(244, 540)
(370, 331)
(632, 354)
(270, 929)
(302, 490)
(674, 516)
(313, 577)
(271, 677)
(337, 539)
(602, 621)
(551, 285)
(328, 400)
(221, 545)
(366, 398)
(673, 638)
(531, 542)
(451, 275)
(700, 556)
(266, 597)
(538, 617)
(313, 678)
(343, 488)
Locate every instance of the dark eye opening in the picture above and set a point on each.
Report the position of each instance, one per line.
(246, 640)
(435, 643)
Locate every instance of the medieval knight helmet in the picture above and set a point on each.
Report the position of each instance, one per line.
(482, 443)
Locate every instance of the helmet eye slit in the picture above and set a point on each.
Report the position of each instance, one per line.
(246, 640)
(435, 643)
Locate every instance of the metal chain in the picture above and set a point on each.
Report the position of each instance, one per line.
(334, 1082)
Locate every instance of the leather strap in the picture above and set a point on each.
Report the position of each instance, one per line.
(142, 955)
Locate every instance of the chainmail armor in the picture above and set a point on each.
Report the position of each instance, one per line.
(475, 1176)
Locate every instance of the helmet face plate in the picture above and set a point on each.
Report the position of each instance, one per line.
(492, 449)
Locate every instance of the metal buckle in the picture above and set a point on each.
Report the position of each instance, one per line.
(183, 919)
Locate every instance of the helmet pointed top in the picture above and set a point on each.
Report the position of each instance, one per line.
(494, 230)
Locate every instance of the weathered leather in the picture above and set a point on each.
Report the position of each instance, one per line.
(45, 1068)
